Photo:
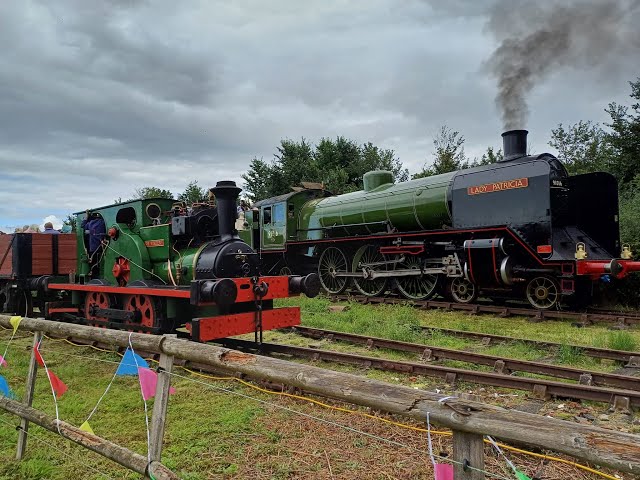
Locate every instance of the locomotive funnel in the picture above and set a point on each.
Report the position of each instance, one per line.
(226, 193)
(514, 144)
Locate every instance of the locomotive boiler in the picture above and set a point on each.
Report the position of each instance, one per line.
(520, 227)
(155, 265)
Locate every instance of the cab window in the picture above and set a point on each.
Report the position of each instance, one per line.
(278, 213)
(266, 215)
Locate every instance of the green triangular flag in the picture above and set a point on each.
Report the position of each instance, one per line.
(85, 427)
(521, 476)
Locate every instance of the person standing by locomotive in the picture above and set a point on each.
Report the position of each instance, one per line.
(93, 225)
(48, 228)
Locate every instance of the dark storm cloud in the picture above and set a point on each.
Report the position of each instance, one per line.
(100, 97)
(538, 38)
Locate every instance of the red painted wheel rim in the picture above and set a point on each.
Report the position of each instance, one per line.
(97, 299)
(144, 304)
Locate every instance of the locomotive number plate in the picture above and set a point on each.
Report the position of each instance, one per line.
(154, 243)
(498, 186)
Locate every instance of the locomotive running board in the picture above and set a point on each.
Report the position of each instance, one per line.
(278, 288)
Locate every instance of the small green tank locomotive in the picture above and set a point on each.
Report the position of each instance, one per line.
(156, 265)
(521, 227)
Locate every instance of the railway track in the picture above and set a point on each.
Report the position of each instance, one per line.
(542, 388)
(624, 398)
(580, 318)
(630, 358)
(499, 364)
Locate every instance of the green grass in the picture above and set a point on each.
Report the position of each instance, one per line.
(622, 340)
(570, 354)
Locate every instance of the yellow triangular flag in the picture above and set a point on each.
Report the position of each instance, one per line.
(85, 427)
(15, 321)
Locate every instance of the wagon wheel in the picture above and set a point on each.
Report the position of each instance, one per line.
(543, 293)
(148, 311)
(332, 261)
(365, 260)
(94, 301)
(422, 287)
(462, 290)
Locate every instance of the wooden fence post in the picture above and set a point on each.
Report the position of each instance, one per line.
(468, 451)
(160, 403)
(28, 397)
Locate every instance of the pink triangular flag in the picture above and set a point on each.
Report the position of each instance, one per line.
(148, 382)
(443, 471)
(58, 385)
(3, 362)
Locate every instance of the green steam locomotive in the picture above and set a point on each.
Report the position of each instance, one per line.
(521, 227)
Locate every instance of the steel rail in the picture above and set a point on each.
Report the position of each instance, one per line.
(540, 387)
(633, 358)
(500, 364)
(503, 311)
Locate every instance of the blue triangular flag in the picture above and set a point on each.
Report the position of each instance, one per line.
(4, 388)
(130, 363)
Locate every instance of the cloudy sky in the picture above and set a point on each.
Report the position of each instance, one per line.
(100, 97)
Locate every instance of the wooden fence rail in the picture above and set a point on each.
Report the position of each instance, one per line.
(469, 420)
(110, 450)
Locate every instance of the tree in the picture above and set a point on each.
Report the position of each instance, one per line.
(293, 163)
(71, 221)
(583, 147)
(374, 158)
(339, 164)
(449, 154)
(624, 137)
(151, 192)
(194, 193)
(491, 156)
(257, 179)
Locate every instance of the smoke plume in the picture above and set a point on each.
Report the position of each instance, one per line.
(539, 38)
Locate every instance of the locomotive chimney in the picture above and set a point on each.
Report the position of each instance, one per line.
(226, 194)
(514, 144)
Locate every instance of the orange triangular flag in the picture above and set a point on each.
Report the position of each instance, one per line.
(85, 427)
(58, 385)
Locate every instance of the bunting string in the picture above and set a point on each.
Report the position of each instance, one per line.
(441, 471)
(4, 385)
(519, 475)
(58, 387)
(146, 411)
(15, 323)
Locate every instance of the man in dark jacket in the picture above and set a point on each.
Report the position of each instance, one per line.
(93, 225)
